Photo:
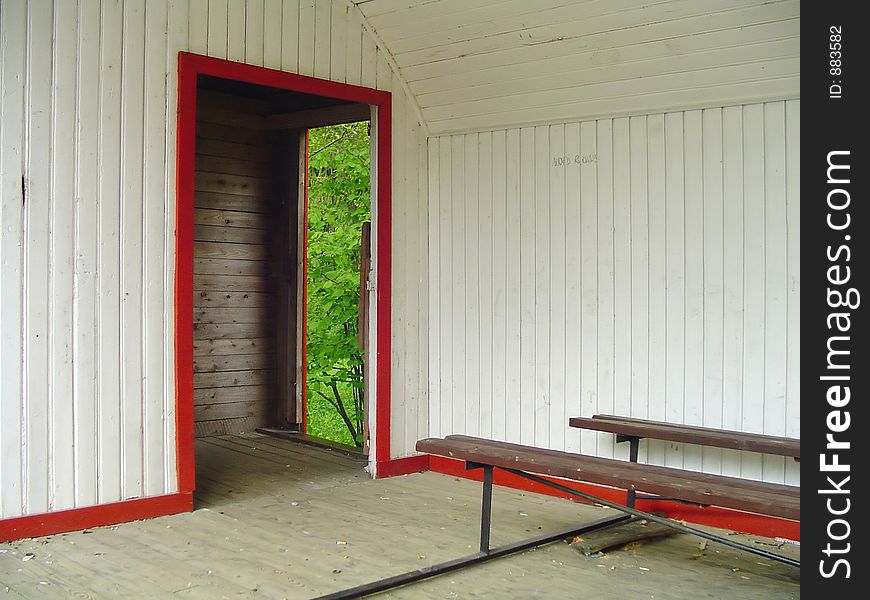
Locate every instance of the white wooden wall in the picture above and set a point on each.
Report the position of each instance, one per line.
(653, 271)
(87, 157)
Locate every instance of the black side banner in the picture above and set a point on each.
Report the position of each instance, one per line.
(835, 341)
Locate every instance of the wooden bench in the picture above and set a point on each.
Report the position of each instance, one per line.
(771, 499)
(701, 488)
(630, 429)
(531, 463)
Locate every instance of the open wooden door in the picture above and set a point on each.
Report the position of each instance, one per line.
(363, 324)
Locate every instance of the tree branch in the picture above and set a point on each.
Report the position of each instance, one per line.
(335, 141)
(343, 413)
(327, 398)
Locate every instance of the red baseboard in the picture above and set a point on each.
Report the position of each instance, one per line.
(714, 516)
(145, 508)
(403, 466)
(94, 516)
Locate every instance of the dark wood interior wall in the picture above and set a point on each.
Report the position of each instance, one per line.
(242, 232)
(289, 152)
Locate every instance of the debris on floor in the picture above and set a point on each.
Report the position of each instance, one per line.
(627, 533)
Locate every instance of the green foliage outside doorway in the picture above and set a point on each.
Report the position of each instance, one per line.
(338, 205)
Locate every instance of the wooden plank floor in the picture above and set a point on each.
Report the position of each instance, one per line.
(275, 519)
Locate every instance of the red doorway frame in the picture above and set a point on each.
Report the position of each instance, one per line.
(189, 67)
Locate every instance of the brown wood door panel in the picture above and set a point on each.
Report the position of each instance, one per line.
(232, 235)
(213, 147)
(229, 115)
(214, 331)
(231, 283)
(230, 410)
(241, 185)
(233, 378)
(203, 348)
(232, 250)
(218, 266)
(244, 393)
(231, 134)
(230, 299)
(233, 362)
(230, 218)
(231, 166)
(210, 315)
(230, 202)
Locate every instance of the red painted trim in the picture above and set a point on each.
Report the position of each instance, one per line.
(94, 516)
(226, 69)
(185, 161)
(189, 67)
(404, 466)
(383, 281)
(714, 516)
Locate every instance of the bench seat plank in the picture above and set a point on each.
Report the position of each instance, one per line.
(703, 488)
(746, 484)
(690, 434)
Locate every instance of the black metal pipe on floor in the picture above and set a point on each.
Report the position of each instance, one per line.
(657, 519)
(480, 557)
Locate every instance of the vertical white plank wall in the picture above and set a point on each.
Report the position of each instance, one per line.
(645, 266)
(87, 156)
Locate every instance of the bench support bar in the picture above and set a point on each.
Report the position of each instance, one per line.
(657, 519)
(480, 557)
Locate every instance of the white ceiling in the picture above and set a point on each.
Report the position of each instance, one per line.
(485, 64)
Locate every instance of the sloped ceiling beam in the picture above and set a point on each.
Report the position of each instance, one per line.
(382, 46)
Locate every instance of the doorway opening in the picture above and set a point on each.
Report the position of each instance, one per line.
(338, 262)
(240, 269)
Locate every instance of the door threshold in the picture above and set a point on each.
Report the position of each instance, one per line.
(308, 440)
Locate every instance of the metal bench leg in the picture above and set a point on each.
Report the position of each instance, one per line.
(631, 493)
(486, 509)
(633, 445)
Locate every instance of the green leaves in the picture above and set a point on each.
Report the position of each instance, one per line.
(338, 205)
